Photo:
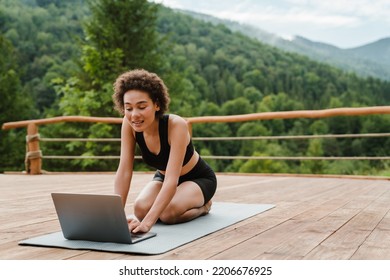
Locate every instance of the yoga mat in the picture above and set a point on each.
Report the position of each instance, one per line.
(168, 237)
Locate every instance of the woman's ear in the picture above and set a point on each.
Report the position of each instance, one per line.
(157, 105)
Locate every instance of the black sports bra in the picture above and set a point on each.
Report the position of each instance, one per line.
(160, 161)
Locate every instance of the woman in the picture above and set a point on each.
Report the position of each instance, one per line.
(183, 185)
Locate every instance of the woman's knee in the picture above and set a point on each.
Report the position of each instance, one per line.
(145, 199)
(141, 208)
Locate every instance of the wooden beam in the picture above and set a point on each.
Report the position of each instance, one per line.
(326, 113)
(18, 124)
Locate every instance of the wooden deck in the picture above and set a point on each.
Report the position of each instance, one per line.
(314, 218)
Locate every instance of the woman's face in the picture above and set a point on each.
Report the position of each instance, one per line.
(140, 110)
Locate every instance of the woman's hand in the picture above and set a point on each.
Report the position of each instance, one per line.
(132, 223)
(136, 226)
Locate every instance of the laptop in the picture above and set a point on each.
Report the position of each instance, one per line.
(94, 217)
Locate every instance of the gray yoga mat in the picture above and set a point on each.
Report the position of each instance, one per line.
(168, 237)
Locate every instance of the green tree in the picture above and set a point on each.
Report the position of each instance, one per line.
(248, 147)
(15, 105)
(314, 150)
(266, 165)
(120, 35)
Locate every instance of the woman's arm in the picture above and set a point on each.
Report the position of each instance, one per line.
(179, 138)
(125, 169)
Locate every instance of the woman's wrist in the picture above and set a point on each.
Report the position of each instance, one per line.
(148, 222)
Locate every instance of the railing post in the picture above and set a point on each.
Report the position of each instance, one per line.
(33, 159)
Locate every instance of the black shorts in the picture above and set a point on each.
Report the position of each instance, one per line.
(201, 174)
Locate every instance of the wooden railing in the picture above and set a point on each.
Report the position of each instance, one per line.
(34, 154)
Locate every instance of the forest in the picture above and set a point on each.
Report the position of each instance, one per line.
(62, 57)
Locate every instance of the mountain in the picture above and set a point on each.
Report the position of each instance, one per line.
(378, 51)
(368, 60)
(371, 60)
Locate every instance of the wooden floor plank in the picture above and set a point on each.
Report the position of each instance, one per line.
(346, 241)
(320, 225)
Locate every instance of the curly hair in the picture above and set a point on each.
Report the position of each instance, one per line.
(140, 79)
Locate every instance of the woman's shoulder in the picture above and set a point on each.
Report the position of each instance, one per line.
(176, 121)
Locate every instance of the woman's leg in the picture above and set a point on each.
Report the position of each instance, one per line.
(146, 198)
(187, 204)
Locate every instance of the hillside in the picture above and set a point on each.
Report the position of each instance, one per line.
(230, 63)
(378, 51)
(209, 70)
(369, 60)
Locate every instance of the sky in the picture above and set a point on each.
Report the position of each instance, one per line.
(342, 23)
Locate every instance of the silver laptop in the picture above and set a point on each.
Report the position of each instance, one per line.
(94, 217)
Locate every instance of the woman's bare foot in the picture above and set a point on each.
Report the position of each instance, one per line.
(207, 207)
